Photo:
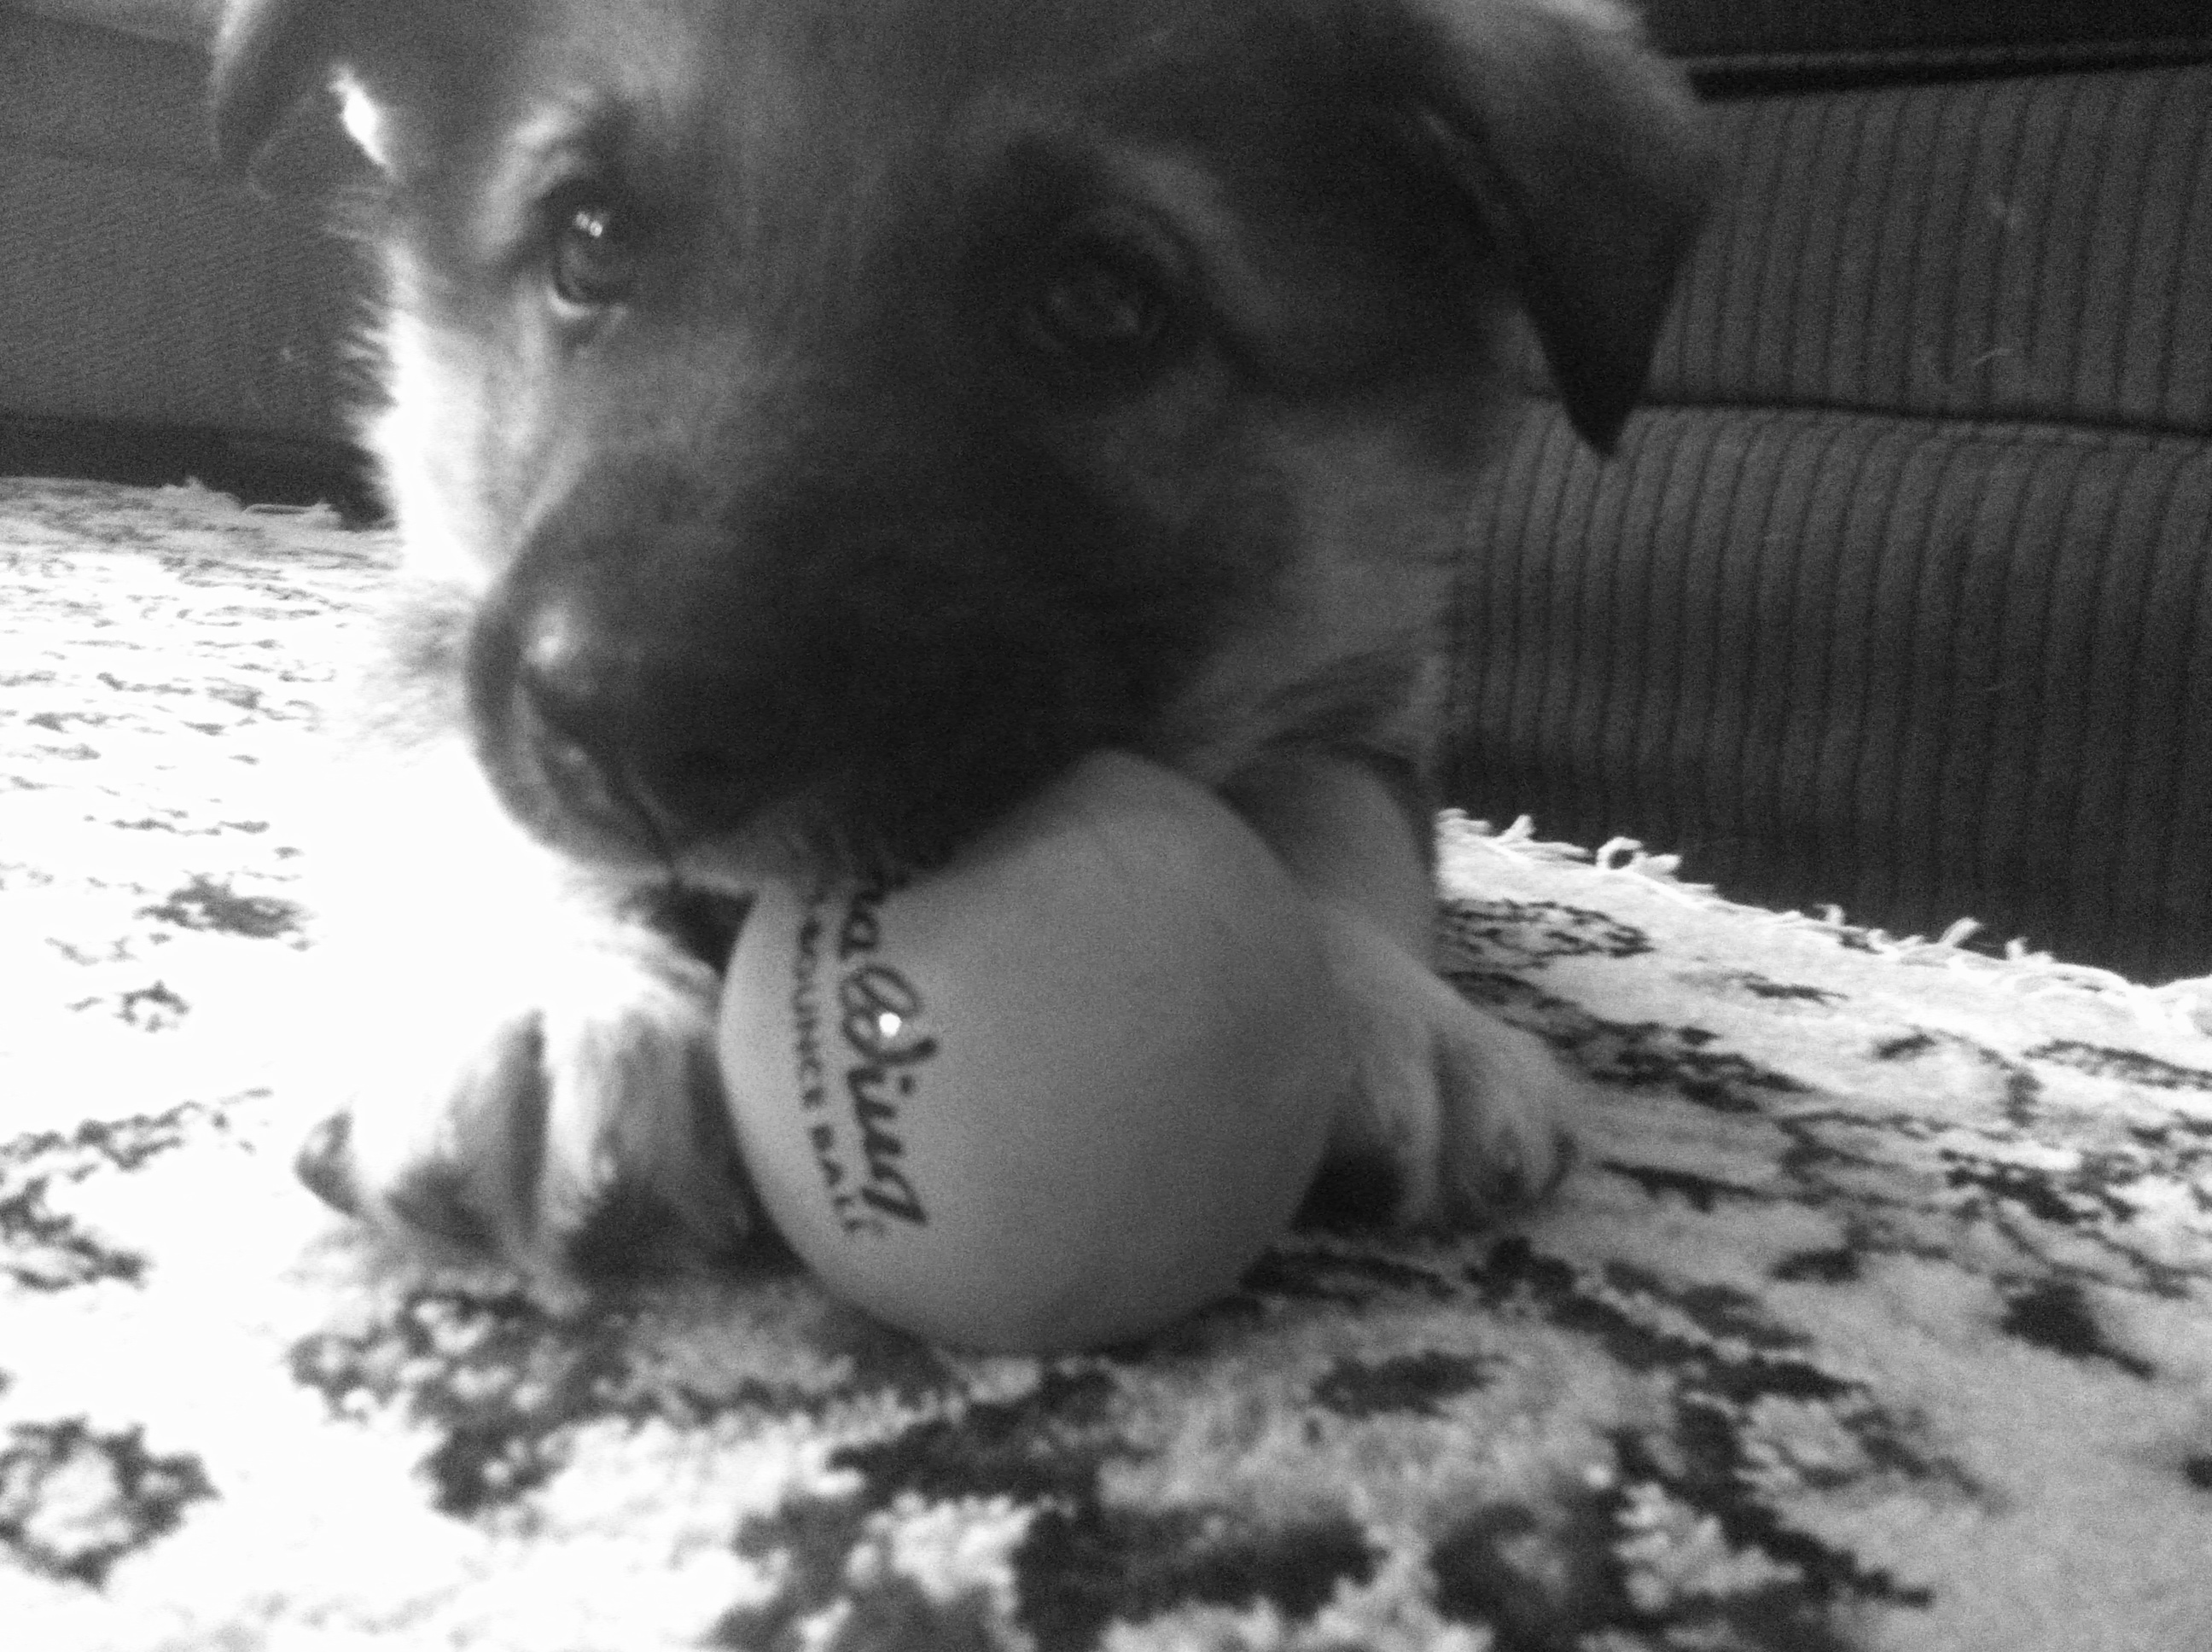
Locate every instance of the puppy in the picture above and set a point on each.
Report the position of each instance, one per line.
(813, 424)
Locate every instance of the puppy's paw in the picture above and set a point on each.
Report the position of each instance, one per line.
(1506, 1102)
(1457, 1117)
(569, 1122)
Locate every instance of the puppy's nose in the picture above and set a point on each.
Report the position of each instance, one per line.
(575, 681)
(641, 731)
(572, 704)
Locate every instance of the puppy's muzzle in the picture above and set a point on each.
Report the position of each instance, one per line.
(871, 671)
(605, 726)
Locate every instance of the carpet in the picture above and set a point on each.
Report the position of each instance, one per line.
(1878, 1315)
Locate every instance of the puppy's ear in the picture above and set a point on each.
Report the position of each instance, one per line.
(1586, 160)
(271, 54)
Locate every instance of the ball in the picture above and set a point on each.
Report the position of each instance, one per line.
(1057, 1094)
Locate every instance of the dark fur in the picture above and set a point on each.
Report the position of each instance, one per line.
(841, 525)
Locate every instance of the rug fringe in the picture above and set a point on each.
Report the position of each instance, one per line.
(2179, 1008)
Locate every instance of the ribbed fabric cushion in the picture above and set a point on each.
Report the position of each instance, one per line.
(126, 305)
(1831, 37)
(2038, 247)
(140, 288)
(188, 21)
(1923, 670)
(88, 94)
(1906, 603)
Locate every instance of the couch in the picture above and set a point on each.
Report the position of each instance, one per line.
(159, 321)
(1894, 599)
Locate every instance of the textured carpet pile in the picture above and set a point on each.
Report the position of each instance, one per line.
(1878, 1317)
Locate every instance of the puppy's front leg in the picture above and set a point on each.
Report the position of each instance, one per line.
(563, 1115)
(523, 1067)
(1457, 1115)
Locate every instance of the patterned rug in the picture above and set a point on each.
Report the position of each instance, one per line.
(1879, 1316)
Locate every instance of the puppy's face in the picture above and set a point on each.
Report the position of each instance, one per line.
(838, 416)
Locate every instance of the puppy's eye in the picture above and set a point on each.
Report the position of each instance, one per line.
(1103, 302)
(594, 254)
(1092, 307)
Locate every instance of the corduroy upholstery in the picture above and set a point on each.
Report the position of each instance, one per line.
(151, 306)
(1899, 595)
